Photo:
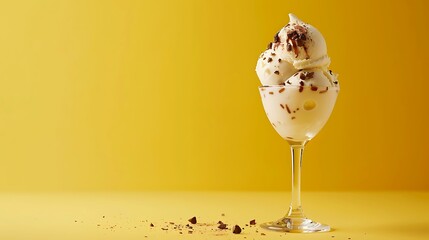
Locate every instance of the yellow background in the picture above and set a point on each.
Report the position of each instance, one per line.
(148, 95)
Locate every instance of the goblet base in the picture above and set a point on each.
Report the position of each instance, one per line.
(296, 225)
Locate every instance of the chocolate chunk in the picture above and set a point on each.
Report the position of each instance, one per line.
(276, 72)
(280, 60)
(193, 220)
(270, 60)
(252, 222)
(236, 230)
(222, 226)
(301, 83)
(302, 76)
(151, 225)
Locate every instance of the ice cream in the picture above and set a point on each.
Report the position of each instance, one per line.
(296, 46)
(298, 92)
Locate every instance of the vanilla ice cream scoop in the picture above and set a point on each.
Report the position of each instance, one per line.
(304, 44)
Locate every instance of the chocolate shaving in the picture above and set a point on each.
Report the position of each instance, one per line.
(281, 105)
(276, 38)
(237, 229)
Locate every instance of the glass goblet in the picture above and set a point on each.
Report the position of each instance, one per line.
(297, 113)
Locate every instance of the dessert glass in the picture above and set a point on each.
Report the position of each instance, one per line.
(297, 113)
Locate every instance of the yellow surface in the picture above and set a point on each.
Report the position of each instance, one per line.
(352, 215)
(149, 95)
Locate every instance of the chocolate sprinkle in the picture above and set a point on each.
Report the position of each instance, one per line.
(323, 91)
(287, 108)
(237, 229)
(282, 90)
(193, 220)
(313, 88)
(281, 105)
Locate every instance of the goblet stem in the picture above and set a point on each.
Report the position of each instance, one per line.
(295, 209)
